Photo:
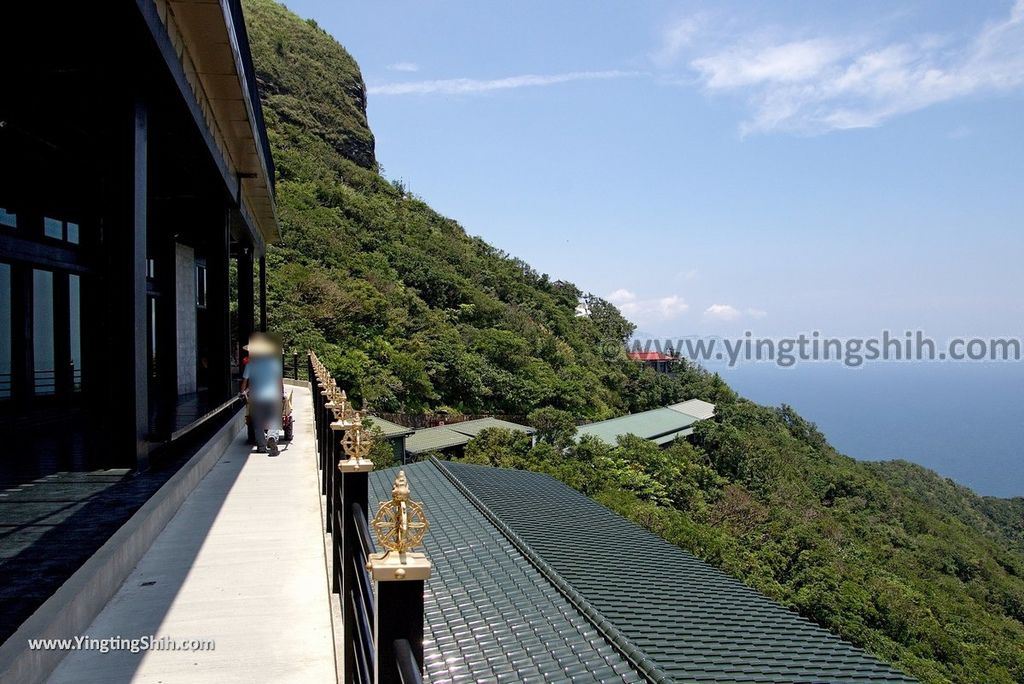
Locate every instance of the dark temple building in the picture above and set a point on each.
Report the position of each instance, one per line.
(136, 200)
(136, 203)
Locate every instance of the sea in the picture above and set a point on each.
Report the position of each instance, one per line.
(963, 420)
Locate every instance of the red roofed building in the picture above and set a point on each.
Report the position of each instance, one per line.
(657, 360)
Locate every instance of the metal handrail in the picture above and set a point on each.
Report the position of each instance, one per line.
(363, 530)
(381, 645)
(408, 668)
(366, 547)
(364, 640)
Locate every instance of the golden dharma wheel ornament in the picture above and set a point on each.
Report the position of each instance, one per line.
(356, 441)
(343, 409)
(400, 524)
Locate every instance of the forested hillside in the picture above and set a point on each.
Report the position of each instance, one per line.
(413, 314)
(404, 305)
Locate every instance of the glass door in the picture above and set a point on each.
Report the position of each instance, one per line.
(44, 368)
(56, 344)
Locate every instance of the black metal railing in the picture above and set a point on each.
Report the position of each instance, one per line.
(382, 629)
(362, 599)
(47, 381)
(44, 381)
(408, 668)
(294, 367)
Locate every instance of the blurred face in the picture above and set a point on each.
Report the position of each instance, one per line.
(262, 344)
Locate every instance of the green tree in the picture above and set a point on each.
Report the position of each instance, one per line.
(554, 426)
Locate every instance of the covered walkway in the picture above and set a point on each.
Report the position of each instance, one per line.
(242, 564)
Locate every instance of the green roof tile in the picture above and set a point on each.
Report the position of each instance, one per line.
(490, 615)
(456, 434)
(694, 622)
(474, 427)
(388, 428)
(701, 410)
(672, 436)
(434, 439)
(647, 424)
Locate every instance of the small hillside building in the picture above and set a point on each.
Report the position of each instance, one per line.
(659, 361)
(662, 425)
(452, 439)
(394, 433)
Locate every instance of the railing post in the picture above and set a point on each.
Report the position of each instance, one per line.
(333, 447)
(321, 384)
(325, 432)
(399, 574)
(341, 411)
(338, 528)
(334, 401)
(312, 386)
(383, 630)
(354, 473)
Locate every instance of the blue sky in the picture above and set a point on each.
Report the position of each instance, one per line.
(776, 167)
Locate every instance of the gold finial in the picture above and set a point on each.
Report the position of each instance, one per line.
(340, 406)
(400, 523)
(356, 443)
(400, 488)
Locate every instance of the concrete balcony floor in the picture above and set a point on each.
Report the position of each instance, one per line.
(242, 563)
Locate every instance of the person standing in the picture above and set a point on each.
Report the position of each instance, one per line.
(263, 387)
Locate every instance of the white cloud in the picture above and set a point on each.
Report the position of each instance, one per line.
(462, 86)
(829, 83)
(722, 312)
(786, 63)
(728, 312)
(621, 296)
(673, 39)
(665, 308)
(670, 307)
(404, 66)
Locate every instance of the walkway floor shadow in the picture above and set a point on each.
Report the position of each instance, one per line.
(241, 563)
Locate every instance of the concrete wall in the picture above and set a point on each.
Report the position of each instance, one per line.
(185, 306)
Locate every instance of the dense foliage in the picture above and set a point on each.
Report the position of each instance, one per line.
(413, 314)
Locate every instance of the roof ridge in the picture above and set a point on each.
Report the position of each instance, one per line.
(615, 638)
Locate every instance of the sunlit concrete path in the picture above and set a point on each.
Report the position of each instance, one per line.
(241, 563)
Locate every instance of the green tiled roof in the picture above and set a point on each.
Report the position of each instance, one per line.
(456, 434)
(701, 410)
(490, 615)
(434, 439)
(388, 428)
(474, 427)
(672, 436)
(693, 622)
(647, 424)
